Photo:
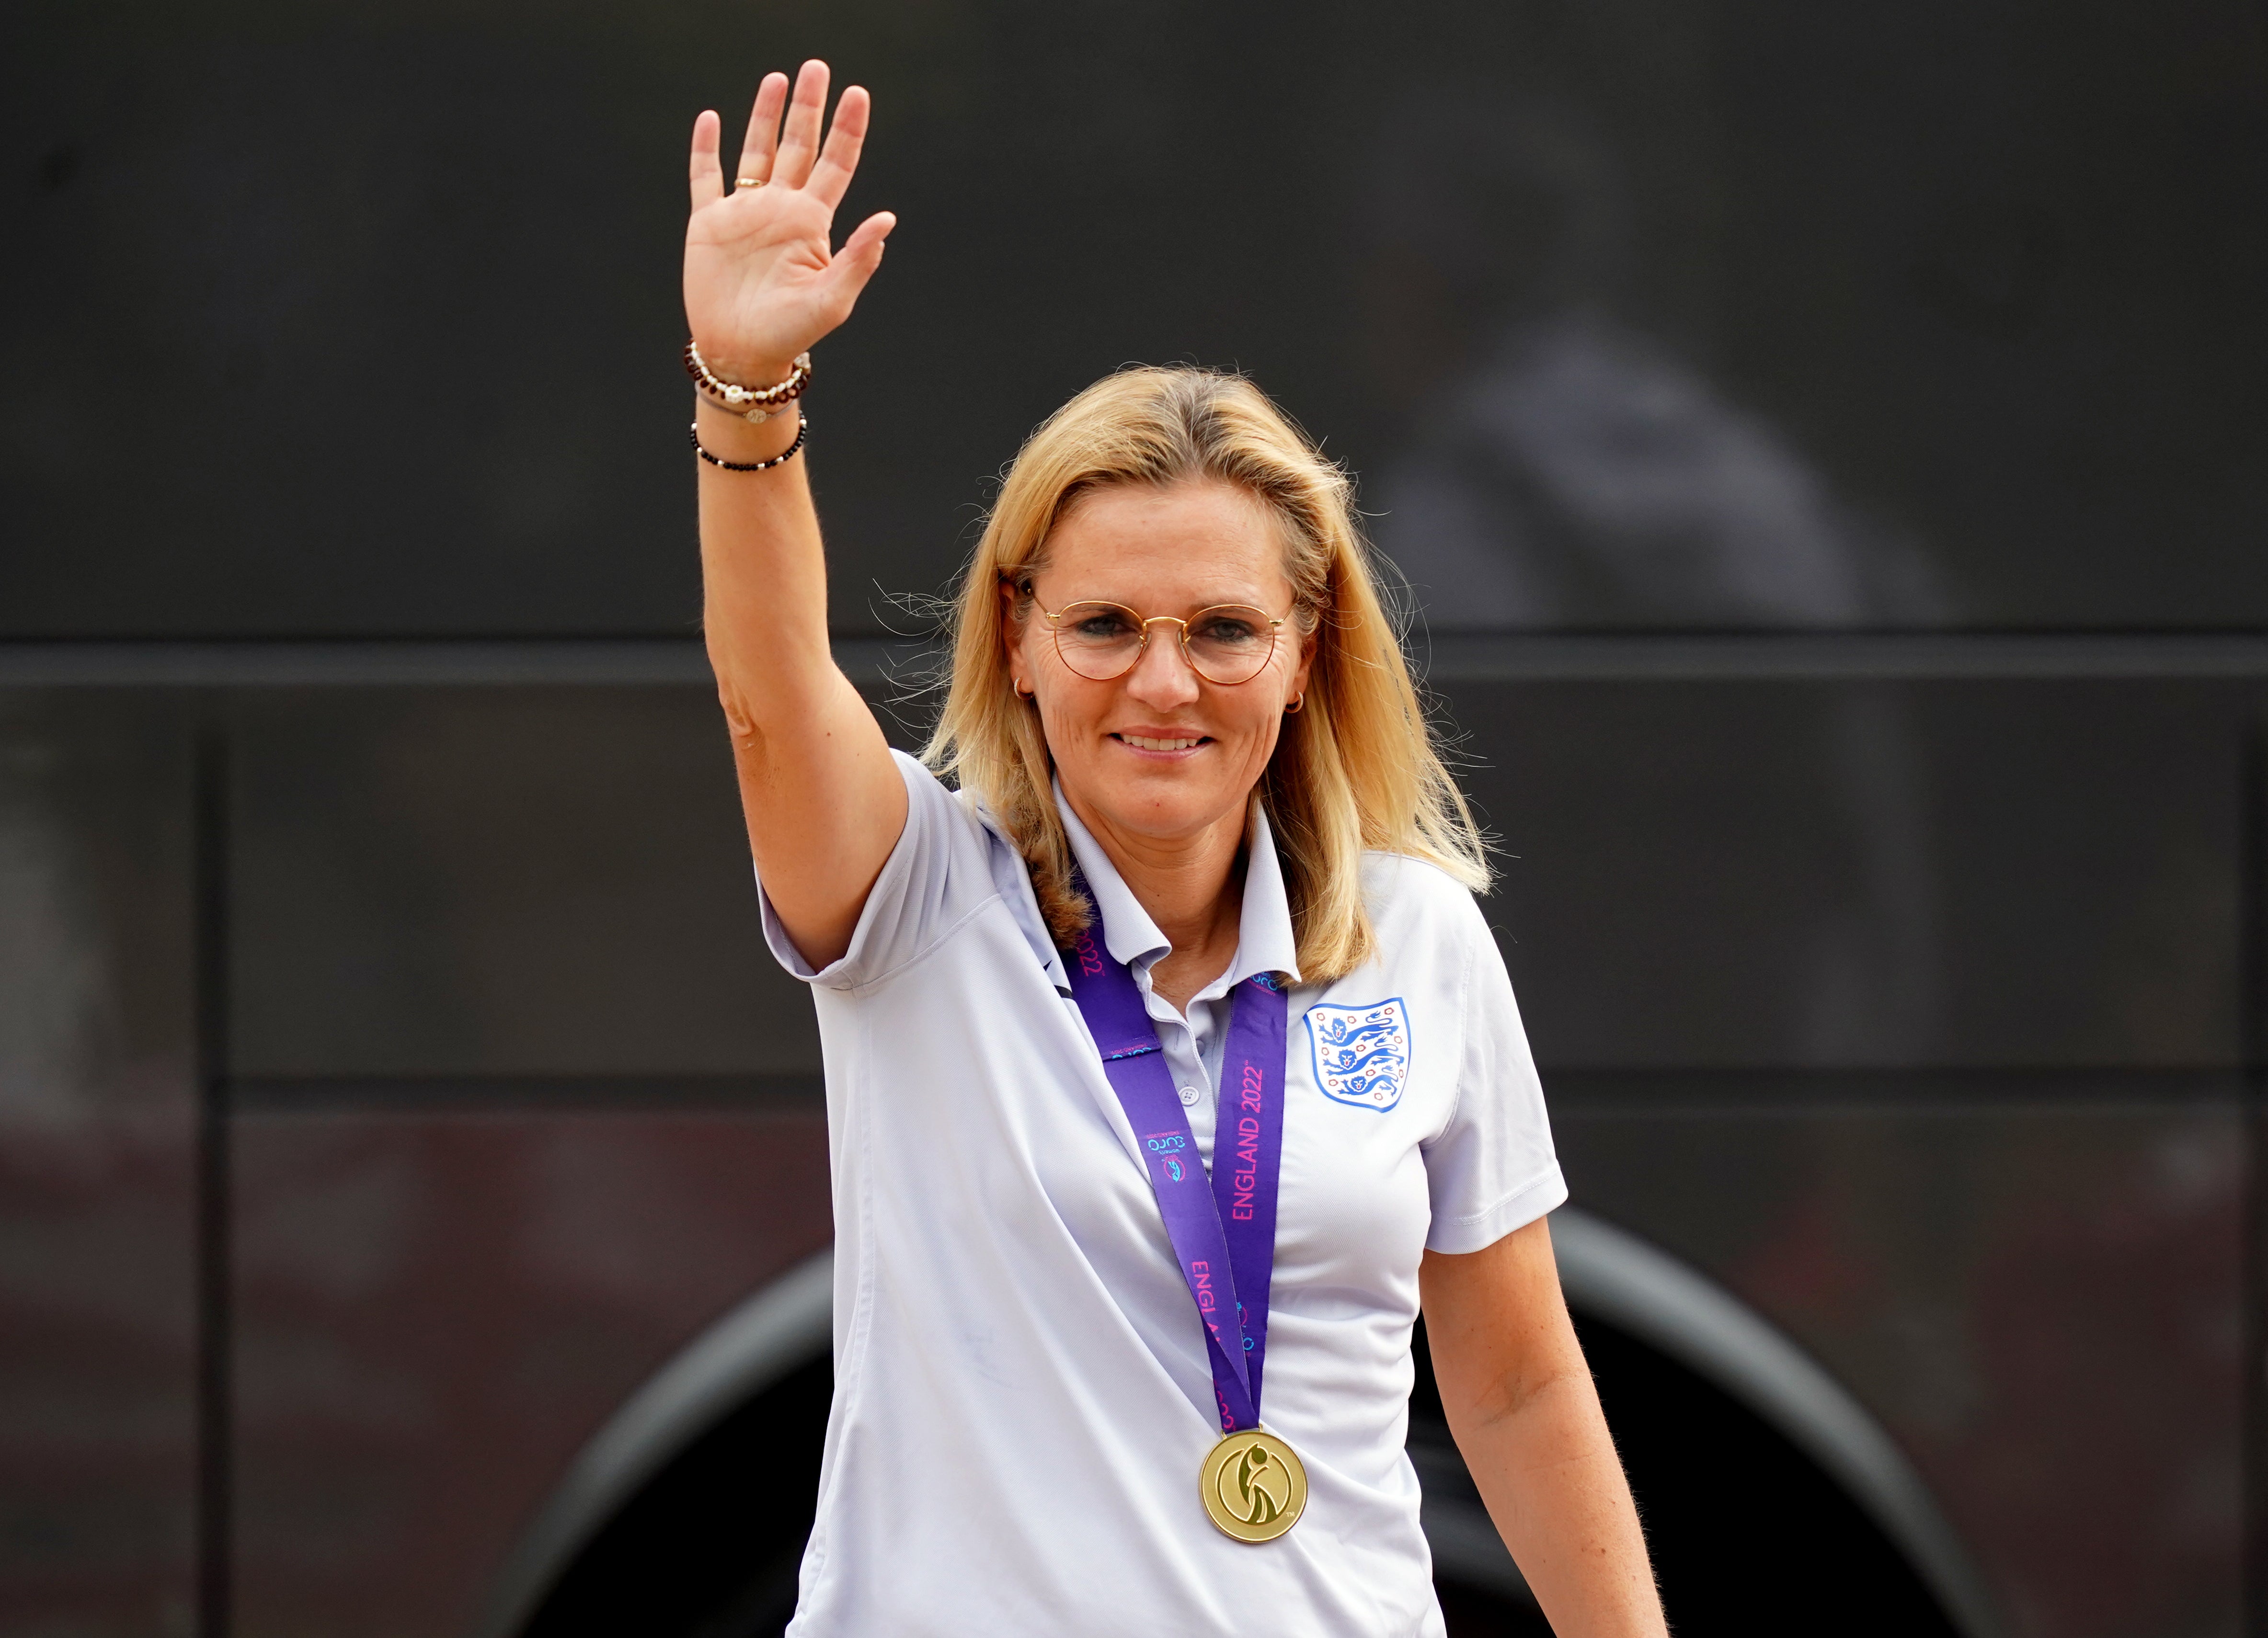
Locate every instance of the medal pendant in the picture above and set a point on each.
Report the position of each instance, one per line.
(1253, 1486)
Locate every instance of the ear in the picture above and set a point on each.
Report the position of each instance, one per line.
(1012, 635)
(1296, 686)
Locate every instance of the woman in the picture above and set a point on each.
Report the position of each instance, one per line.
(1169, 1063)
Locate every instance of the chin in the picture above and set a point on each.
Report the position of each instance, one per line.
(1168, 803)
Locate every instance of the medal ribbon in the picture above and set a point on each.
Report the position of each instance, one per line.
(1224, 1236)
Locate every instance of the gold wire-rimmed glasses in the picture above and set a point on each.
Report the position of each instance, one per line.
(1226, 644)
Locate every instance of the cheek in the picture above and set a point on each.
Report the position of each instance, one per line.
(1258, 728)
(1069, 707)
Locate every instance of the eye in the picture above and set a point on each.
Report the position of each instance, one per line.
(1230, 630)
(1101, 624)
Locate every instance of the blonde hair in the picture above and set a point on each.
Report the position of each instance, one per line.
(1357, 769)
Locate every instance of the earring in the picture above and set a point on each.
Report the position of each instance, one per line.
(1297, 705)
(1016, 684)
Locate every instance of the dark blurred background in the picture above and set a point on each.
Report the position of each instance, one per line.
(1827, 451)
(342, 319)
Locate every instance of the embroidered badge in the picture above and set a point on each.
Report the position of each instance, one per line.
(1362, 1053)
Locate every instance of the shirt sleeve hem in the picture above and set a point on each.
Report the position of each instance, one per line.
(1546, 1192)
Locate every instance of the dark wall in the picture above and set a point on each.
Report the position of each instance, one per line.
(342, 317)
(100, 1431)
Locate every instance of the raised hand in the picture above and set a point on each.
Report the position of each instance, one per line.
(762, 283)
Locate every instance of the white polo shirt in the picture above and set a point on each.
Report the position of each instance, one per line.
(1021, 1396)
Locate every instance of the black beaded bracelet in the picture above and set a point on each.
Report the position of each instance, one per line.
(802, 431)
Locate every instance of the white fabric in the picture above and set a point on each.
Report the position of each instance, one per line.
(1021, 1397)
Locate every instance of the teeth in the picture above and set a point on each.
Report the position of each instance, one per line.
(1158, 745)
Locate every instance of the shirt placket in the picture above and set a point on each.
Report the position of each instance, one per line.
(1177, 1038)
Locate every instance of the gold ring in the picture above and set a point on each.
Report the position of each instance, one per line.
(749, 181)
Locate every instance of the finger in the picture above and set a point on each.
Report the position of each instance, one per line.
(855, 263)
(873, 231)
(708, 182)
(800, 142)
(846, 137)
(757, 147)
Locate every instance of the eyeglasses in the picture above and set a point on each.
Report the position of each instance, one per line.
(1226, 644)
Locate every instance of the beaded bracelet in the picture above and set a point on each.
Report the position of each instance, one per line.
(802, 431)
(758, 404)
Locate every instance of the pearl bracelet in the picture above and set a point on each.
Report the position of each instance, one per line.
(757, 404)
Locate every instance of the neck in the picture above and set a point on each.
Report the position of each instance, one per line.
(1193, 888)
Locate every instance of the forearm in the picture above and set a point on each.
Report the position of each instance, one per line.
(763, 574)
(1520, 1403)
(1548, 1471)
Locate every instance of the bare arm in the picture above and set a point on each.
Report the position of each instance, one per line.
(824, 803)
(1526, 1417)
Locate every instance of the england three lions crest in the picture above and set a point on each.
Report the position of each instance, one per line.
(1362, 1053)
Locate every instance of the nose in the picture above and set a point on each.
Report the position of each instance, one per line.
(1162, 678)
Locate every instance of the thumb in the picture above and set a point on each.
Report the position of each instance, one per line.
(855, 263)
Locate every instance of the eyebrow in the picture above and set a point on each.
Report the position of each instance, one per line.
(1194, 609)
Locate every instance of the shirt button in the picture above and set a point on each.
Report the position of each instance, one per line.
(1188, 1098)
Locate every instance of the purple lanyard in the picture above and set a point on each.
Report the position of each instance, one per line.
(1224, 1236)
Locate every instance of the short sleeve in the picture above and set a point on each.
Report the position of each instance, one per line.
(1491, 1168)
(938, 875)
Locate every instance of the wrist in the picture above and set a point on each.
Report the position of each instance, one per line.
(756, 404)
(749, 372)
(732, 436)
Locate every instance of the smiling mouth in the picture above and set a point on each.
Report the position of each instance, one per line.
(1143, 742)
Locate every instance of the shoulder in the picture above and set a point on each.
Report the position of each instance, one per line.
(941, 806)
(1427, 923)
(1411, 898)
(1007, 860)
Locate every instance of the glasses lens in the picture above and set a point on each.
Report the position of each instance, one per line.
(1099, 640)
(1229, 644)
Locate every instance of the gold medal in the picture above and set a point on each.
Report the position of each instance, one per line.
(1253, 1486)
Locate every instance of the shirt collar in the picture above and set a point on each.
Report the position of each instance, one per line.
(1265, 939)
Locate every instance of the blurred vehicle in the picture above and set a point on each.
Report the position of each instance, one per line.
(1824, 453)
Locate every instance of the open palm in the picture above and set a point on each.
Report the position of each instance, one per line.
(762, 282)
